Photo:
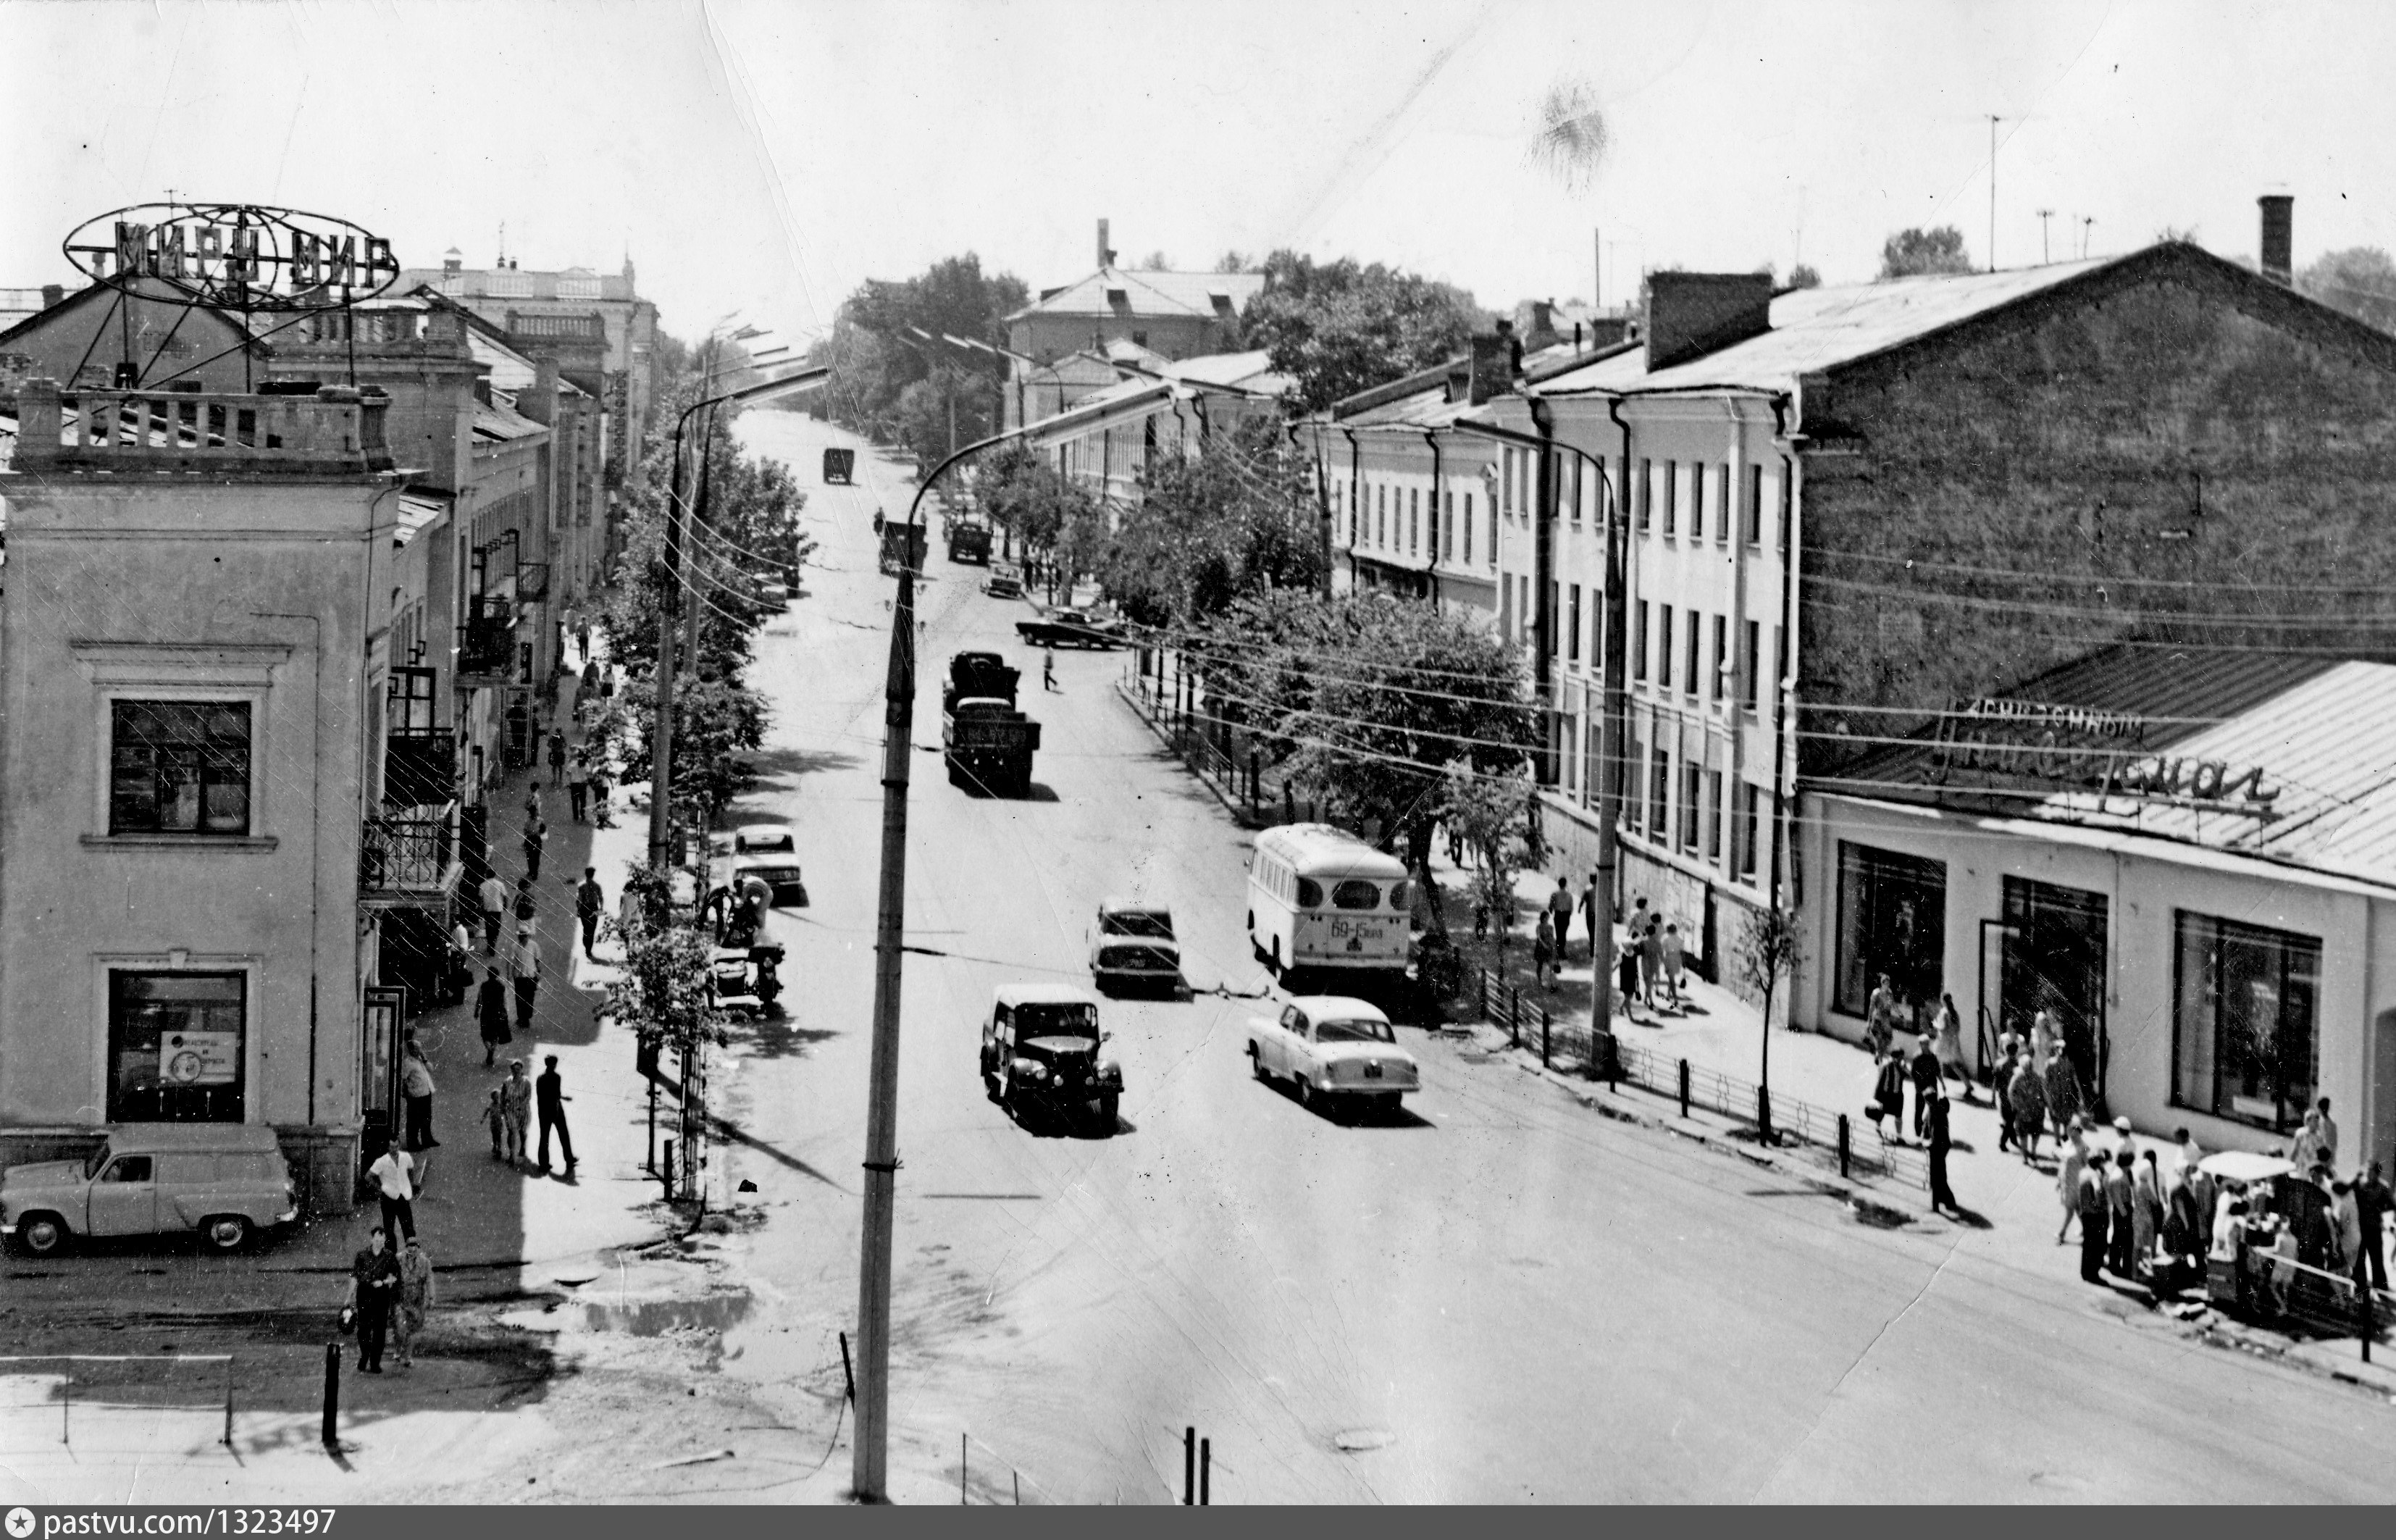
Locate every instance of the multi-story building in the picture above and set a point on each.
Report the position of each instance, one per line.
(1111, 439)
(195, 659)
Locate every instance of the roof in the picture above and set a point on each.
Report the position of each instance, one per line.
(1012, 995)
(1320, 1006)
(1119, 904)
(1251, 370)
(2318, 737)
(1148, 293)
(1427, 406)
(1314, 839)
(500, 422)
(521, 284)
(417, 513)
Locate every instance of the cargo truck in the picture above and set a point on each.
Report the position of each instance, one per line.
(903, 545)
(984, 741)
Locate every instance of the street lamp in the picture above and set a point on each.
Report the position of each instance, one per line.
(661, 731)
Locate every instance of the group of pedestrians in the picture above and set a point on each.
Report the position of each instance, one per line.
(2038, 1087)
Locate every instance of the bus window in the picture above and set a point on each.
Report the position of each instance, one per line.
(1310, 892)
(1356, 894)
(1397, 896)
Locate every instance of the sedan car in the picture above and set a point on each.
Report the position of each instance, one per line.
(1132, 944)
(1003, 583)
(1334, 1049)
(768, 853)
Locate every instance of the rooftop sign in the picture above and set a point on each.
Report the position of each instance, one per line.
(1995, 744)
(236, 256)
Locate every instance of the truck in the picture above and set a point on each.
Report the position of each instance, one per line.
(903, 545)
(838, 466)
(969, 541)
(984, 741)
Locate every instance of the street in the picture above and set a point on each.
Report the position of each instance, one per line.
(1499, 1297)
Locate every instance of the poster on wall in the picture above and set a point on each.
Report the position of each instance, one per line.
(200, 1059)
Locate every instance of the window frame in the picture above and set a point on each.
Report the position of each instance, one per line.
(115, 702)
(2286, 947)
(216, 1107)
(1692, 639)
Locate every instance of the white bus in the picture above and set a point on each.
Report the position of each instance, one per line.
(1320, 898)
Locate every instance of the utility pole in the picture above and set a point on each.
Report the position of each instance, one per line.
(2044, 214)
(1609, 767)
(1993, 192)
(2087, 223)
(662, 721)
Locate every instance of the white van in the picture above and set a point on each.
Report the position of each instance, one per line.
(1321, 898)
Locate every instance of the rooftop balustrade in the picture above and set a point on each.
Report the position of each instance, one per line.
(331, 429)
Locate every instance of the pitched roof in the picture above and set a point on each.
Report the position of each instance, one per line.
(1147, 294)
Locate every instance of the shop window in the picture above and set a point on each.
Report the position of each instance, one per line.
(1892, 921)
(178, 767)
(175, 1046)
(2245, 1021)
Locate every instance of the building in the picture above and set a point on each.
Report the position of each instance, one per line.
(193, 662)
(144, 332)
(1861, 468)
(1174, 316)
(2186, 859)
(1111, 439)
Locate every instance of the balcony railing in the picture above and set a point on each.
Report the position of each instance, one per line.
(410, 857)
(420, 768)
(486, 642)
(334, 430)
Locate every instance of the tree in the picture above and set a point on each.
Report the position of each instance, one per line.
(1156, 262)
(662, 994)
(1492, 814)
(716, 722)
(1767, 952)
(889, 336)
(1235, 518)
(2360, 280)
(1341, 327)
(1800, 276)
(1233, 260)
(1911, 253)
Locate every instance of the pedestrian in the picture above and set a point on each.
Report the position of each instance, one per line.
(556, 758)
(394, 1174)
(599, 784)
(535, 833)
(1480, 918)
(2372, 1203)
(578, 785)
(495, 1117)
(1543, 948)
(1888, 1099)
(2346, 1218)
(1637, 928)
(461, 978)
(1942, 1197)
(1651, 960)
(2199, 1181)
(1926, 1077)
(1589, 923)
(2002, 1084)
(2096, 1221)
(2122, 1209)
(2306, 1150)
(588, 903)
(524, 969)
(582, 641)
(1626, 982)
(2067, 1172)
(2146, 1215)
(515, 1100)
(415, 1086)
(1676, 957)
(491, 1015)
(1880, 1019)
(2183, 1221)
(1048, 670)
(2027, 1101)
(2063, 1098)
(414, 1299)
(374, 1288)
(552, 1091)
(493, 894)
(1560, 909)
(2328, 1131)
(1946, 1027)
(527, 907)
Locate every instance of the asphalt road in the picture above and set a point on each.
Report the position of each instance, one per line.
(1501, 1298)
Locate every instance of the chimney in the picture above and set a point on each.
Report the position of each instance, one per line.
(1492, 367)
(1536, 320)
(1105, 255)
(1691, 314)
(452, 259)
(52, 294)
(2279, 236)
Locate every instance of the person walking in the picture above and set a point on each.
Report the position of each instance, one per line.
(578, 785)
(414, 1300)
(495, 1117)
(515, 1100)
(2346, 1222)
(2027, 1101)
(1597, 946)
(2002, 1084)
(2067, 1172)
(2183, 1223)
(2147, 1216)
(1626, 981)
(491, 1015)
(1880, 1019)
(1651, 960)
(535, 833)
(393, 1174)
(550, 1089)
(1676, 959)
(588, 903)
(493, 894)
(374, 1288)
(1947, 1027)
(2063, 1098)
(1927, 1076)
(599, 795)
(582, 641)
(1888, 1099)
(556, 758)
(1942, 1197)
(1048, 670)
(1543, 948)
(2121, 1206)
(525, 970)
(2328, 1131)
(461, 962)
(1560, 909)
(2373, 1201)
(416, 1087)
(2096, 1221)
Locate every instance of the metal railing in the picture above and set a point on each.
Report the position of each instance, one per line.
(420, 768)
(337, 429)
(486, 642)
(409, 856)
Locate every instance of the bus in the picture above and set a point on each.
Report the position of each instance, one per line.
(1321, 899)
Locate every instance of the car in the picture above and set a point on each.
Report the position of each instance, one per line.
(769, 852)
(1072, 628)
(1040, 1046)
(1333, 1048)
(773, 594)
(223, 1182)
(1003, 583)
(1132, 943)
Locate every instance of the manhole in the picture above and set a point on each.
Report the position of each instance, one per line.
(1357, 1439)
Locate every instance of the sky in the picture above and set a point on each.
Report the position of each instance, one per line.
(760, 160)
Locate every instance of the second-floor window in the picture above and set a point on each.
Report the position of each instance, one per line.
(1671, 493)
(1639, 643)
(1722, 655)
(1697, 500)
(178, 767)
(1572, 626)
(1752, 532)
(1414, 520)
(1696, 625)
(1751, 651)
(1468, 530)
(1664, 645)
(1646, 491)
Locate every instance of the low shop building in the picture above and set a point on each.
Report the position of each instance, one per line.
(2187, 859)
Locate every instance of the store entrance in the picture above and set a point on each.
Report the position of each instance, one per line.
(2054, 959)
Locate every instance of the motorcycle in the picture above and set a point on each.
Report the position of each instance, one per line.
(746, 978)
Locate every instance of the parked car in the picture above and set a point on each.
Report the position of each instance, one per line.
(1040, 1054)
(1132, 943)
(1003, 582)
(1333, 1048)
(1072, 628)
(769, 852)
(223, 1182)
(773, 594)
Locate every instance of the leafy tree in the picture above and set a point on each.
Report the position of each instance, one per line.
(1234, 519)
(662, 993)
(1339, 328)
(1233, 260)
(1493, 815)
(1768, 951)
(716, 722)
(2361, 281)
(1800, 276)
(890, 336)
(1156, 262)
(1911, 253)
(1044, 511)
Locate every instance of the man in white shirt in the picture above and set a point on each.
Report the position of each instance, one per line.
(393, 1174)
(493, 894)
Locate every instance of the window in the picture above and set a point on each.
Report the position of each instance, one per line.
(1892, 921)
(1555, 643)
(1697, 502)
(1690, 634)
(1751, 508)
(1664, 645)
(1414, 522)
(1506, 482)
(131, 1170)
(1578, 467)
(1659, 789)
(1713, 816)
(1493, 530)
(1743, 830)
(1722, 656)
(1671, 493)
(1355, 893)
(1572, 629)
(1447, 529)
(2245, 1021)
(1751, 660)
(1722, 504)
(1310, 892)
(1692, 778)
(178, 767)
(175, 1046)
(1352, 520)
(1787, 502)
(1646, 491)
(1638, 643)
(1381, 516)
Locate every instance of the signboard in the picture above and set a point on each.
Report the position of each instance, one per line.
(2031, 745)
(241, 257)
(200, 1059)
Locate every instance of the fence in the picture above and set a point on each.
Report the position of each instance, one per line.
(119, 1401)
(1530, 1025)
(1215, 749)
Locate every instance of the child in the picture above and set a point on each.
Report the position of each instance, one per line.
(1543, 948)
(495, 1117)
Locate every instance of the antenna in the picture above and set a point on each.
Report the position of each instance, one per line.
(2044, 214)
(1993, 192)
(503, 242)
(2086, 221)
